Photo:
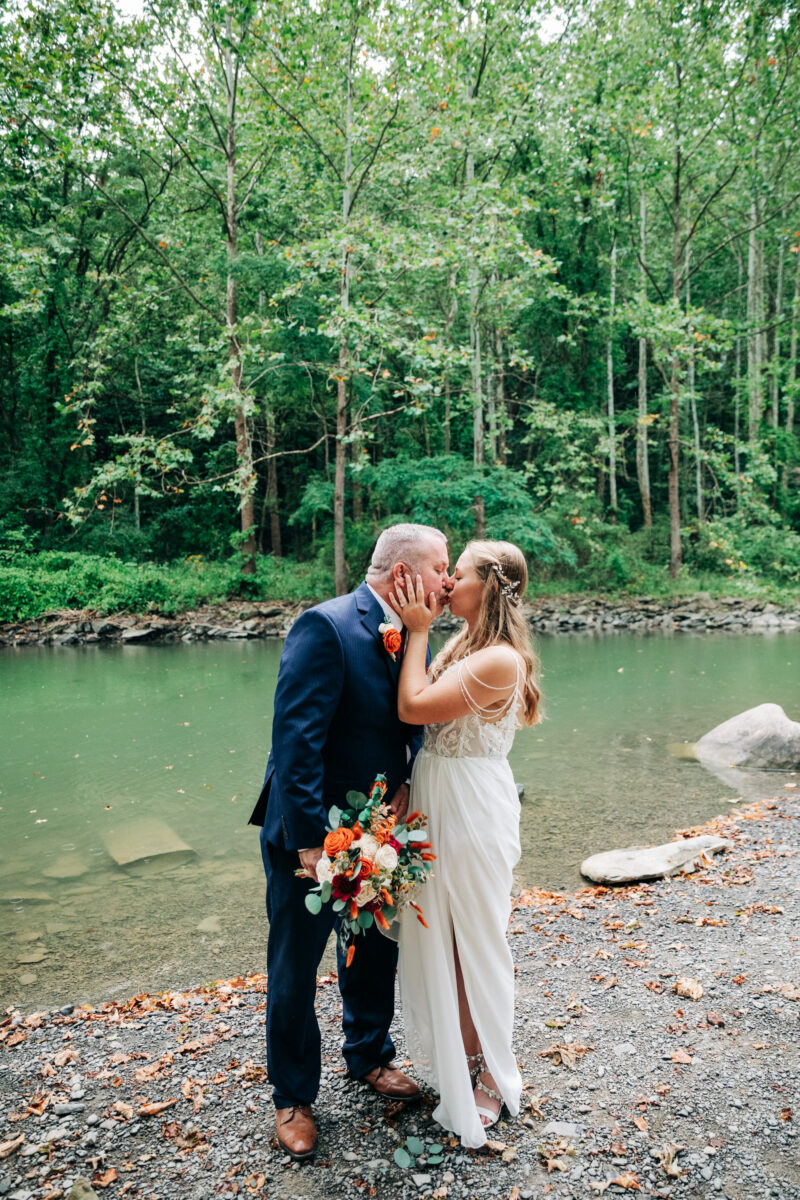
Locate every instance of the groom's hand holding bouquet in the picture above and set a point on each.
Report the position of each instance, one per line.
(370, 864)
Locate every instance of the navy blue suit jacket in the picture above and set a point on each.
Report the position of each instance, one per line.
(335, 725)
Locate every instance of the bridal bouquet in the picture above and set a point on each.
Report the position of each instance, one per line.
(370, 865)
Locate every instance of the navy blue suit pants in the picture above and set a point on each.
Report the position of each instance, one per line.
(297, 940)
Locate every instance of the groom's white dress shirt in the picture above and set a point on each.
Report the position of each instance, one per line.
(389, 615)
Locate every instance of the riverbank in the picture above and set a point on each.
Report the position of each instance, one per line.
(656, 1033)
(234, 620)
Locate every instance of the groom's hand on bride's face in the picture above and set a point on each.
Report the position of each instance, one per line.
(399, 803)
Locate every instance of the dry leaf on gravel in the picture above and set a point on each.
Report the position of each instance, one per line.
(666, 1157)
(641, 1124)
(789, 991)
(106, 1179)
(14, 1039)
(155, 1069)
(7, 1148)
(627, 1180)
(125, 1109)
(680, 1056)
(786, 1114)
(192, 1089)
(515, 1194)
(691, 989)
(596, 1186)
(714, 1019)
(551, 1154)
(63, 1057)
(567, 1054)
(150, 1110)
(535, 1103)
(496, 1147)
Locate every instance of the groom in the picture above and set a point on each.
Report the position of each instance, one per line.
(335, 728)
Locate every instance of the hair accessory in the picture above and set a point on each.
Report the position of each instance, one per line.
(508, 588)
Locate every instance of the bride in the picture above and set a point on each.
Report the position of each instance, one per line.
(457, 976)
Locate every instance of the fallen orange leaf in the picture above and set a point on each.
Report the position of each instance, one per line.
(150, 1110)
(106, 1179)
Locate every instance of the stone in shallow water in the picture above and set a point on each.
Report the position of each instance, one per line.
(29, 895)
(67, 866)
(210, 925)
(31, 956)
(762, 738)
(27, 978)
(639, 863)
(148, 839)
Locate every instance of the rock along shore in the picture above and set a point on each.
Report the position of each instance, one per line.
(656, 1030)
(551, 615)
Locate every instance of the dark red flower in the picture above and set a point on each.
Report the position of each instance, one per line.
(343, 887)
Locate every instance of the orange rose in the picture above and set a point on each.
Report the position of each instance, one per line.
(383, 830)
(337, 841)
(392, 640)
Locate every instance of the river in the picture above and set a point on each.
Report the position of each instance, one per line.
(98, 740)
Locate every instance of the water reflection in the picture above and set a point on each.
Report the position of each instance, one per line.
(175, 737)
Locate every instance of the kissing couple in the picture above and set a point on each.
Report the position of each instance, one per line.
(347, 708)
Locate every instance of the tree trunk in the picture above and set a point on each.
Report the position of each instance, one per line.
(340, 463)
(450, 316)
(612, 428)
(244, 441)
(791, 379)
(737, 396)
(675, 553)
(698, 465)
(502, 416)
(775, 365)
(642, 461)
(478, 456)
(270, 506)
(755, 322)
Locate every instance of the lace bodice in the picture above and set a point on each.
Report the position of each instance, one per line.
(476, 735)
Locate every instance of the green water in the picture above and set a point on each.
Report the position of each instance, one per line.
(95, 739)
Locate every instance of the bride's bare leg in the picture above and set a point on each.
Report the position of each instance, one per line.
(472, 1045)
(469, 1034)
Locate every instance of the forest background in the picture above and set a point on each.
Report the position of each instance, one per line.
(274, 275)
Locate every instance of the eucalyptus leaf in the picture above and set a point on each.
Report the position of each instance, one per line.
(313, 902)
(334, 817)
(415, 1145)
(403, 1158)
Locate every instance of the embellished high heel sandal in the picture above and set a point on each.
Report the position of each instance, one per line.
(477, 1067)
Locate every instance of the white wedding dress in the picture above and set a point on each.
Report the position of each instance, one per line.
(462, 780)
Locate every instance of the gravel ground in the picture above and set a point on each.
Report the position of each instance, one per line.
(630, 1084)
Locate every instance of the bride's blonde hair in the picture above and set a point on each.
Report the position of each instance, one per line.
(503, 569)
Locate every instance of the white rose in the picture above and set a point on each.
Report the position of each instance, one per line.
(368, 845)
(386, 858)
(366, 894)
(325, 869)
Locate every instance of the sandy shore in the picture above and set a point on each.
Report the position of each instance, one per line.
(631, 1085)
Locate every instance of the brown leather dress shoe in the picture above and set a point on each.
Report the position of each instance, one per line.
(297, 1133)
(389, 1081)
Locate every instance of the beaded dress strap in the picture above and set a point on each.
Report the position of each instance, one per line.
(499, 708)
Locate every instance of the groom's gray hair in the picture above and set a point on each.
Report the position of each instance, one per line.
(401, 543)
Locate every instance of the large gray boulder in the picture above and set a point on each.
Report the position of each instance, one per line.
(637, 864)
(761, 739)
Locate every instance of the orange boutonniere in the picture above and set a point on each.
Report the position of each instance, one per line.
(392, 639)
